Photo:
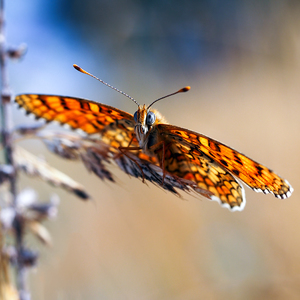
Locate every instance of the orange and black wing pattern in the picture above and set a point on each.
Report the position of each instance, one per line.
(115, 129)
(189, 161)
(86, 115)
(211, 180)
(253, 174)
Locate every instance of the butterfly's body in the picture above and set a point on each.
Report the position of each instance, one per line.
(146, 133)
(188, 160)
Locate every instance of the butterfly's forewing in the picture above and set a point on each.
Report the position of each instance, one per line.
(116, 128)
(255, 175)
(86, 115)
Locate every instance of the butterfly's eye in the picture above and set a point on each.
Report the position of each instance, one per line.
(135, 116)
(150, 119)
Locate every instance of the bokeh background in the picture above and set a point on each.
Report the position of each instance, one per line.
(242, 60)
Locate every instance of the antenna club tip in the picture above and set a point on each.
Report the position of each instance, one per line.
(77, 67)
(185, 89)
(81, 70)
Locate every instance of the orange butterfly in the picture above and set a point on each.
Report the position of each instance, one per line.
(144, 145)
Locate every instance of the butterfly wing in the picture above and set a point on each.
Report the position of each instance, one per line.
(253, 174)
(115, 127)
(86, 115)
(215, 184)
(209, 178)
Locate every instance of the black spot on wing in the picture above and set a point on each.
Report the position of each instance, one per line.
(236, 172)
(223, 162)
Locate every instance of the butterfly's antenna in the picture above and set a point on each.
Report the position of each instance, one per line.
(185, 89)
(112, 87)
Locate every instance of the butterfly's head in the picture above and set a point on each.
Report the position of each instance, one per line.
(144, 119)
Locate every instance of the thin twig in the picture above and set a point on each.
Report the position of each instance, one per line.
(6, 136)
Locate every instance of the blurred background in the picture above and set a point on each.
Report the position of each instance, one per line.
(135, 241)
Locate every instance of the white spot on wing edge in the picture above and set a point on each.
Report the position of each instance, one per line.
(283, 196)
(290, 191)
(226, 205)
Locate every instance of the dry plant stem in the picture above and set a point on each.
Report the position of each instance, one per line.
(6, 129)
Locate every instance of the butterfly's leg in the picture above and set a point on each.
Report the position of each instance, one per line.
(163, 162)
(121, 152)
(163, 149)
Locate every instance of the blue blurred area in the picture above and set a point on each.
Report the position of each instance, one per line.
(117, 39)
(53, 47)
(187, 33)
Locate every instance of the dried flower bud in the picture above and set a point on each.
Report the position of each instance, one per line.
(26, 198)
(7, 216)
(45, 210)
(16, 52)
(6, 172)
(40, 232)
(28, 257)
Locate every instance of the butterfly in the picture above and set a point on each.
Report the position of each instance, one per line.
(146, 146)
